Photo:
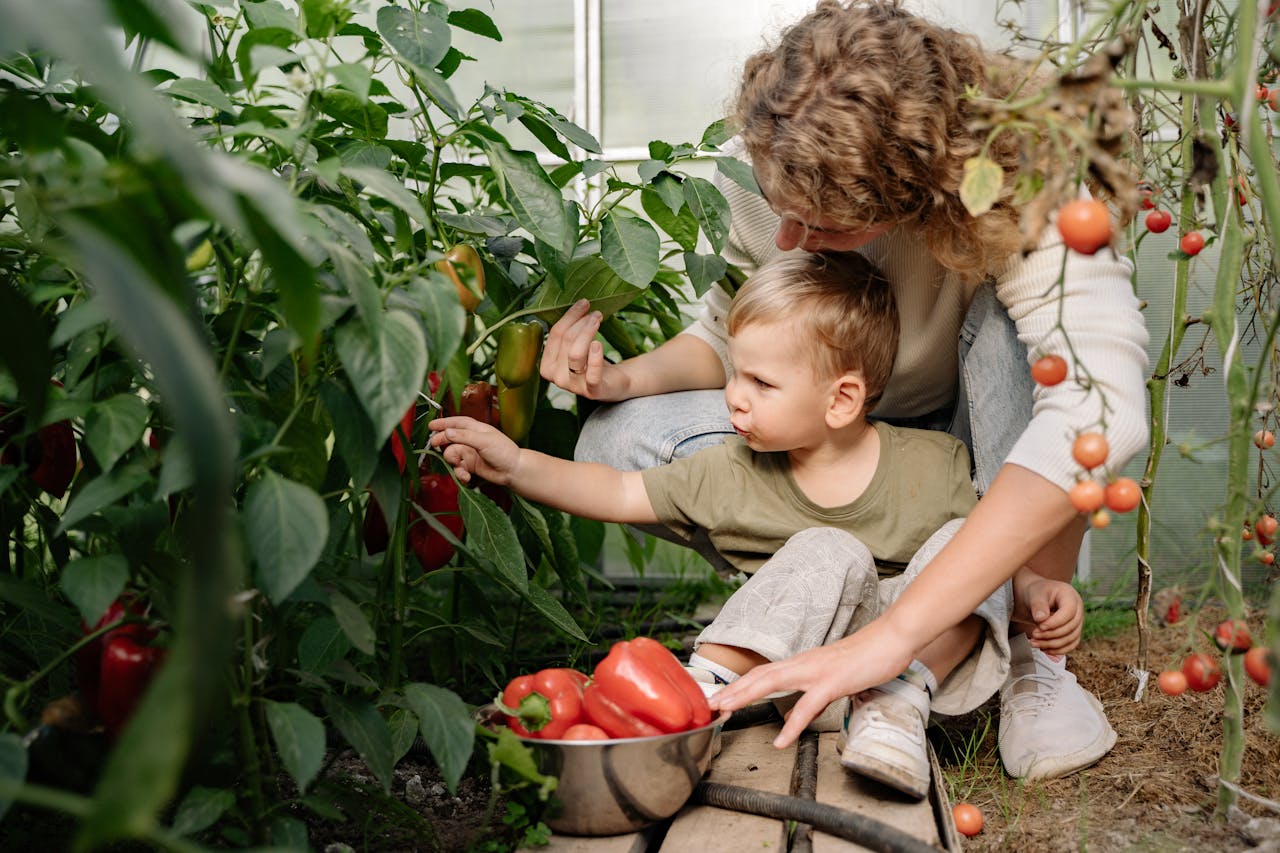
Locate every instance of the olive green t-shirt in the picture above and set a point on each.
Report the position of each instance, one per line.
(749, 504)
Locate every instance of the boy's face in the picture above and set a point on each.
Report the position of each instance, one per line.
(776, 403)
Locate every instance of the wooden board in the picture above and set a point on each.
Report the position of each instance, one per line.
(849, 791)
(747, 758)
(636, 842)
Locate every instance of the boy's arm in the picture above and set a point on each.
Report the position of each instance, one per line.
(585, 489)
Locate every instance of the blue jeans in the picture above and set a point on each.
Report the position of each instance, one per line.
(993, 407)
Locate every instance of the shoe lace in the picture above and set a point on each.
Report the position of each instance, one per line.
(873, 718)
(1032, 700)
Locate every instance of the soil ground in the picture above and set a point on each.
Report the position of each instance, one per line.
(1155, 791)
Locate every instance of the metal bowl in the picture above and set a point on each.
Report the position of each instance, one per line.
(611, 787)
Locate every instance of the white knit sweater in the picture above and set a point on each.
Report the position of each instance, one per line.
(1096, 306)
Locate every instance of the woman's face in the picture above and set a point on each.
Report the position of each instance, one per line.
(801, 228)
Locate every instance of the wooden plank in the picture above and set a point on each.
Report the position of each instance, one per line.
(849, 791)
(635, 842)
(747, 758)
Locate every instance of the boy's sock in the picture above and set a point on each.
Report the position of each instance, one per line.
(711, 676)
(921, 676)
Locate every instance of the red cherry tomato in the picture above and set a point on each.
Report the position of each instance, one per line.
(1263, 93)
(1086, 495)
(1090, 450)
(1191, 243)
(1202, 672)
(1123, 495)
(1255, 663)
(1158, 221)
(1173, 682)
(1273, 100)
(1266, 526)
(1085, 225)
(1267, 558)
(1049, 370)
(584, 731)
(1148, 195)
(1173, 612)
(1264, 439)
(1233, 634)
(968, 819)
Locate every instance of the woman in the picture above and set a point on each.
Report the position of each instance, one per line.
(858, 129)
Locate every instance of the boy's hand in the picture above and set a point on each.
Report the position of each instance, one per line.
(472, 447)
(1057, 611)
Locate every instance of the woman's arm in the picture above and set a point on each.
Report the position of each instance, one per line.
(574, 360)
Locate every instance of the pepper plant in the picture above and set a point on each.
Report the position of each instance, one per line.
(235, 239)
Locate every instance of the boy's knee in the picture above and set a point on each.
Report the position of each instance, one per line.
(826, 549)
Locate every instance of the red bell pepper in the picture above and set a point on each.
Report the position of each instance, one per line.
(545, 704)
(376, 535)
(640, 689)
(128, 666)
(398, 445)
(50, 455)
(89, 657)
(437, 496)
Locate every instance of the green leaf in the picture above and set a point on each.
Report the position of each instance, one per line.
(492, 538)
(564, 550)
(404, 731)
(475, 21)
(353, 77)
(286, 526)
(142, 771)
(554, 611)
(511, 752)
(102, 492)
(533, 198)
(113, 426)
(322, 643)
(703, 270)
(299, 738)
(738, 172)
(980, 186)
(434, 300)
(353, 622)
(387, 186)
(681, 226)
(709, 208)
(201, 808)
(264, 47)
(13, 766)
(422, 39)
(270, 13)
(447, 727)
(359, 283)
(352, 432)
(367, 118)
(630, 246)
(440, 91)
(366, 731)
(588, 277)
(386, 369)
(201, 91)
(717, 133)
(92, 583)
(671, 190)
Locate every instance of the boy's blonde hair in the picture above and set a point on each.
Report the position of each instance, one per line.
(859, 115)
(841, 305)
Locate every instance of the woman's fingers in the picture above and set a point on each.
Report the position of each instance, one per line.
(569, 348)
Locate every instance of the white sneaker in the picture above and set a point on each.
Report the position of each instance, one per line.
(1050, 726)
(883, 737)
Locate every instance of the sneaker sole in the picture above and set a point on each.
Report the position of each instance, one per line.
(885, 773)
(1057, 766)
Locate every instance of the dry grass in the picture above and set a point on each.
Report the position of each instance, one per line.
(1156, 790)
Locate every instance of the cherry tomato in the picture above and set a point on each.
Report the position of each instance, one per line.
(1234, 634)
(1049, 370)
(968, 819)
(1263, 93)
(1173, 612)
(1266, 526)
(1173, 682)
(1148, 195)
(1247, 535)
(584, 731)
(1202, 672)
(1267, 558)
(1191, 243)
(1100, 519)
(1273, 100)
(1229, 120)
(1085, 225)
(1090, 449)
(1264, 439)
(1086, 495)
(1123, 495)
(1255, 663)
(1158, 221)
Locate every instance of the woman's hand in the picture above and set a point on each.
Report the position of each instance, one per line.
(864, 659)
(574, 360)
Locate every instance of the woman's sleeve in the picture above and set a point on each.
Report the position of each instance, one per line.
(749, 245)
(1093, 321)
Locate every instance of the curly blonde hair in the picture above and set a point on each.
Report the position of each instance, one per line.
(859, 115)
(841, 303)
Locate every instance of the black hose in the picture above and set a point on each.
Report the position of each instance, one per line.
(853, 827)
(804, 786)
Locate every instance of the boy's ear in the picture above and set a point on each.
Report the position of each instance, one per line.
(848, 400)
